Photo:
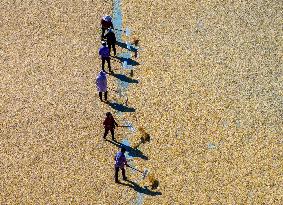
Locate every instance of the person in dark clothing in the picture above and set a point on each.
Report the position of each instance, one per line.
(106, 23)
(120, 162)
(109, 125)
(105, 55)
(111, 40)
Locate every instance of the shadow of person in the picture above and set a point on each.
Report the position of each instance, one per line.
(131, 152)
(129, 61)
(120, 107)
(124, 78)
(124, 45)
(142, 190)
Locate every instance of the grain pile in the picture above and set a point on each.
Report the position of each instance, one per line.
(209, 96)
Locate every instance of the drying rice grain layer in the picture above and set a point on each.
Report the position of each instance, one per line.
(209, 95)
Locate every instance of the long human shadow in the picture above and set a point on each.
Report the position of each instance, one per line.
(131, 152)
(124, 45)
(128, 60)
(121, 107)
(124, 78)
(142, 190)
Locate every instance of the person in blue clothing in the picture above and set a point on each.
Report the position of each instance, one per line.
(120, 162)
(104, 53)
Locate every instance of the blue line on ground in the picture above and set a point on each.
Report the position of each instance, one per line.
(117, 23)
(117, 19)
(119, 113)
(211, 146)
(130, 126)
(127, 32)
(140, 199)
(128, 45)
(126, 56)
(123, 84)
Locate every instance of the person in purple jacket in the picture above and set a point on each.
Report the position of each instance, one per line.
(104, 53)
(120, 162)
(101, 83)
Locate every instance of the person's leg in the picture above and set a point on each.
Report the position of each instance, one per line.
(105, 95)
(114, 49)
(100, 96)
(109, 66)
(116, 174)
(112, 133)
(103, 63)
(105, 133)
(102, 34)
(124, 174)
(109, 46)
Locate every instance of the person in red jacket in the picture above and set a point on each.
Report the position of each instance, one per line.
(106, 23)
(109, 124)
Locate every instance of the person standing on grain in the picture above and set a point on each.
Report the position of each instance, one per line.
(101, 83)
(104, 53)
(109, 125)
(111, 40)
(120, 162)
(106, 23)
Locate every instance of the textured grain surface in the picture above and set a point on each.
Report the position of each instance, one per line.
(209, 95)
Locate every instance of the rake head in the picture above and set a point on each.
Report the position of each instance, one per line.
(154, 183)
(136, 41)
(147, 138)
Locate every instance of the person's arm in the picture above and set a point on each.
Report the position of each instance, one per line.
(102, 23)
(115, 123)
(125, 161)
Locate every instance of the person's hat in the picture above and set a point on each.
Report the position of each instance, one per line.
(102, 73)
(107, 18)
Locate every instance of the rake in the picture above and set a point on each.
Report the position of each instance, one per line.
(144, 173)
(126, 31)
(124, 126)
